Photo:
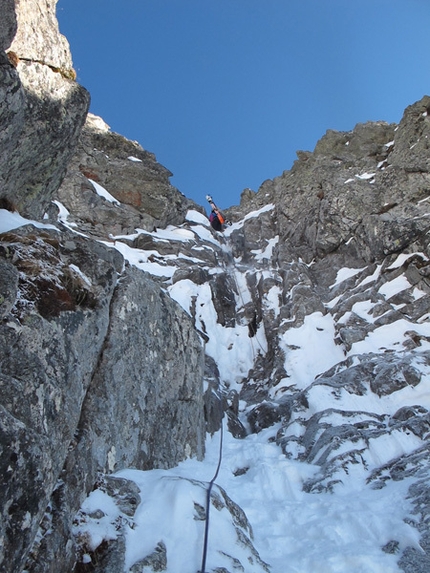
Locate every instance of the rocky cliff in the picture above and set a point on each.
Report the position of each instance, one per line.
(314, 309)
(99, 369)
(141, 193)
(308, 316)
(43, 108)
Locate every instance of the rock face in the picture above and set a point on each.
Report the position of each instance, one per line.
(104, 366)
(101, 369)
(11, 93)
(44, 108)
(8, 24)
(365, 186)
(38, 38)
(141, 194)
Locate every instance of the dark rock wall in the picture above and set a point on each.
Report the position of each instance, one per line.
(47, 361)
(8, 24)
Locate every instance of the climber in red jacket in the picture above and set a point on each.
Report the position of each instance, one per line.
(216, 218)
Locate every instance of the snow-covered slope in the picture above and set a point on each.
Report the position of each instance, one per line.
(313, 310)
(333, 399)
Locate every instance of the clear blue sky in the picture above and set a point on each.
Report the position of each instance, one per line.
(224, 92)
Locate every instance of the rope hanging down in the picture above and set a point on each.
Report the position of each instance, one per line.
(208, 502)
(211, 483)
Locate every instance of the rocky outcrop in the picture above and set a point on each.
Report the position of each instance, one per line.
(362, 191)
(141, 196)
(44, 108)
(50, 359)
(38, 38)
(104, 366)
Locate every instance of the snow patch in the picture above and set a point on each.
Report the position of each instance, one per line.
(261, 254)
(10, 221)
(366, 176)
(197, 217)
(403, 257)
(310, 349)
(344, 274)
(101, 191)
(391, 288)
(251, 215)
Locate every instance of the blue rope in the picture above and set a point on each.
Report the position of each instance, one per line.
(208, 502)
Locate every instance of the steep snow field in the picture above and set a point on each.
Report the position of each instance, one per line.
(294, 531)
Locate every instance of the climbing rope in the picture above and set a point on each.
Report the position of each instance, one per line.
(211, 483)
(208, 502)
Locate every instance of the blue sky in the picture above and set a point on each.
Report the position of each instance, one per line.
(224, 92)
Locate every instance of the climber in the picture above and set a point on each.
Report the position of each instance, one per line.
(216, 218)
